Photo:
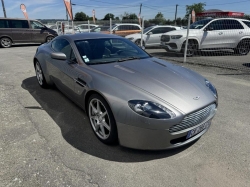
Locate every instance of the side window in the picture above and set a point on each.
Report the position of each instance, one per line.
(167, 29)
(62, 45)
(247, 23)
(4, 24)
(217, 25)
(134, 27)
(158, 30)
(36, 25)
(232, 24)
(19, 24)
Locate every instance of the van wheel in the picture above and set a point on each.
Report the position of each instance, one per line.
(6, 42)
(49, 38)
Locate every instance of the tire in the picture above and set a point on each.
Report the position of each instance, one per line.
(49, 38)
(40, 76)
(5, 42)
(191, 48)
(102, 120)
(243, 47)
(138, 42)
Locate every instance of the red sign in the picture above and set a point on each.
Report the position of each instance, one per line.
(220, 14)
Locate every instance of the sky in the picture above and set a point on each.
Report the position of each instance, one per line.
(55, 9)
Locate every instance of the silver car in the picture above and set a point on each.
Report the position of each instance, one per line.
(129, 96)
(152, 35)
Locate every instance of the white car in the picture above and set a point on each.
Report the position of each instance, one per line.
(151, 35)
(222, 33)
(85, 27)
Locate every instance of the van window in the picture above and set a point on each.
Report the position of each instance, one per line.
(19, 24)
(36, 25)
(4, 24)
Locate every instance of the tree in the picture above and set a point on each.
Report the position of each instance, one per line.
(159, 16)
(80, 16)
(197, 7)
(108, 16)
(178, 21)
(91, 18)
(117, 18)
(127, 15)
(247, 16)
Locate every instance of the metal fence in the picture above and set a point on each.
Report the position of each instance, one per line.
(223, 43)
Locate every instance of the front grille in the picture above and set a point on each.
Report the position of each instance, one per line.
(193, 119)
(165, 38)
(173, 45)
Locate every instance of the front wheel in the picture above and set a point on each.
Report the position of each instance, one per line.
(6, 42)
(243, 47)
(49, 38)
(138, 42)
(102, 120)
(191, 48)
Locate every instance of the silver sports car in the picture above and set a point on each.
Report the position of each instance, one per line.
(129, 96)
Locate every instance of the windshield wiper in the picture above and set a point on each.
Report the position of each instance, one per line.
(129, 58)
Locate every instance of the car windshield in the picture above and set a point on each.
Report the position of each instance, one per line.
(98, 29)
(200, 24)
(108, 50)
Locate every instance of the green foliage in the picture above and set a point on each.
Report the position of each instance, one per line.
(247, 16)
(197, 7)
(127, 16)
(108, 16)
(80, 16)
(159, 16)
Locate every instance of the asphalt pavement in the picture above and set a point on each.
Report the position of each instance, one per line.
(46, 140)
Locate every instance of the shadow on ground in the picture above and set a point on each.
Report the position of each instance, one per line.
(76, 130)
(25, 45)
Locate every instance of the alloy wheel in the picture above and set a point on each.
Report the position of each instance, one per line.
(99, 119)
(6, 42)
(39, 74)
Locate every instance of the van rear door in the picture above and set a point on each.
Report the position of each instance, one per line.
(5, 30)
(20, 31)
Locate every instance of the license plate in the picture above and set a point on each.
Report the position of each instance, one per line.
(198, 129)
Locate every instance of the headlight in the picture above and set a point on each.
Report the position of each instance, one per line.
(151, 110)
(130, 38)
(211, 87)
(176, 36)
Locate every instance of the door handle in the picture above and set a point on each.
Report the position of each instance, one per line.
(80, 82)
(240, 32)
(220, 33)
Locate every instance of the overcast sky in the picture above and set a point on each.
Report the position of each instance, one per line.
(55, 9)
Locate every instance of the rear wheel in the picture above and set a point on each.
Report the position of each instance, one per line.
(40, 76)
(101, 119)
(243, 47)
(5, 42)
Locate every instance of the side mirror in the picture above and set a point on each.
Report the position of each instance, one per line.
(208, 28)
(58, 56)
(149, 33)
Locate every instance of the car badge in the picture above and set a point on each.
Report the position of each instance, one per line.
(196, 98)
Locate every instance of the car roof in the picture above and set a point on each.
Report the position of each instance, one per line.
(164, 26)
(19, 19)
(81, 36)
(126, 24)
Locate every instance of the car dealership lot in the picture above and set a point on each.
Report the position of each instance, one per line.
(46, 140)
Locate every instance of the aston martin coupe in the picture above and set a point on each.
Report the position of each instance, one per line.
(130, 97)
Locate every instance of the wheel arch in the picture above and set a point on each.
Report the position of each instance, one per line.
(6, 36)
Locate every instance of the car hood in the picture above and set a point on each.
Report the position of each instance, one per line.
(177, 86)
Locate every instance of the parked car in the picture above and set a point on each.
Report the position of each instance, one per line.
(100, 29)
(221, 33)
(151, 35)
(14, 30)
(128, 95)
(124, 29)
(86, 27)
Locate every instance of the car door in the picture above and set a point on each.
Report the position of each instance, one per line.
(38, 32)
(5, 29)
(20, 31)
(64, 72)
(154, 36)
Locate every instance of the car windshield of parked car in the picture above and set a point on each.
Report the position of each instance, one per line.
(108, 50)
(200, 24)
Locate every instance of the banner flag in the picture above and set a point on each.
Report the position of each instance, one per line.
(193, 16)
(93, 12)
(23, 8)
(69, 8)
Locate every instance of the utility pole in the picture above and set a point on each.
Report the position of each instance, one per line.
(4, 9)
(67, 18)
(140, 20)
(175, 14)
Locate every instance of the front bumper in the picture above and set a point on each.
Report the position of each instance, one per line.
(173, 44)
(155, 139)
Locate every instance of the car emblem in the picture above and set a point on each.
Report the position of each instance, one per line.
(196, 98)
